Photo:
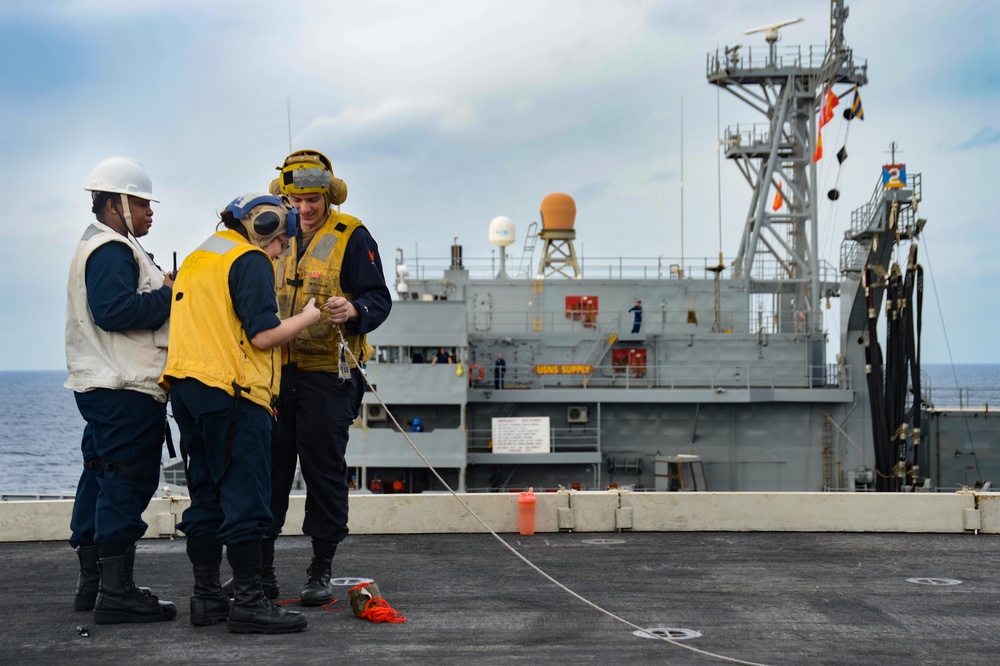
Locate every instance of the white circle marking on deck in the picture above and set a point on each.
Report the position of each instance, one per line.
(350, 581)
(604, 542)
(668, 632)
(933, 581)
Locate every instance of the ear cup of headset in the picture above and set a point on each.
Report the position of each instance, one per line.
(338, 190)
(266, 223)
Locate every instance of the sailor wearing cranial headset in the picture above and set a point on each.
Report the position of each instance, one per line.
(223, 370)
(335, 260)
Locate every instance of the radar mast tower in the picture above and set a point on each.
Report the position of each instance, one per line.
(778, 250)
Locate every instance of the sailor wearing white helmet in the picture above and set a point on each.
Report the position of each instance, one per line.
(118, 304)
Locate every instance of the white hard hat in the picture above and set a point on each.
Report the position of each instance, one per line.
(121, 175)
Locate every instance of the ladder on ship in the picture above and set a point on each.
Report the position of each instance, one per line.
(528, 253)
(603, 344)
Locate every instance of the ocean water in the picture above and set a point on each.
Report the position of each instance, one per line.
(40, 427)
(961, 385)
(40, 433)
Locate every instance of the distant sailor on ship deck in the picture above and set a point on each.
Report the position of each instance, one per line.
(637, 309)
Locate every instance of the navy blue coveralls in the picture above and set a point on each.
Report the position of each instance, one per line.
(637, 323)
(123, 439)
(229, 471)
(316, 409)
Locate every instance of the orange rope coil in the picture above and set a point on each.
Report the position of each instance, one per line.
(374, 608)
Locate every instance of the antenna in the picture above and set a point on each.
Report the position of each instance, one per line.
(682, 187)
(718, 162)
(288, 107)
(771, 31)
(771, 34)
(893, 148)
(732, 52)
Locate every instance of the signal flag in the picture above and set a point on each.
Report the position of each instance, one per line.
(826, 113)
(856, 110)
(818, 155)
(778, 199)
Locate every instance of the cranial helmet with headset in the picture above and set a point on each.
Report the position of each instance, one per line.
(265, 217)
(309, 172)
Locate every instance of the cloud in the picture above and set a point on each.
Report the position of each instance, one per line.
(984, 137)
(442, 115)
(466, 49)
(664, 176)
(590, 192)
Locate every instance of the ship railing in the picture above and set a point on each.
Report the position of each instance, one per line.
(754, 135)
(852, 256)
(597, 268)
(761, 320)
(862, 217)
(766, 267)
(717, 377)
(963, 397)
(872, 217)
(749, 57)
(561, 440)
(653, 268)
(35, 497)
(507, 488)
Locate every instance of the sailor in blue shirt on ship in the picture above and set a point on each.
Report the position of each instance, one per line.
(223, 370)
(335, 260)
(118, 303)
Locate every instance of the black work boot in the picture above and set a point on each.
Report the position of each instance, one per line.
(317, 589)
(252, 612)
(208, 605)
(268, 577)
(119, 600)
(89, 581)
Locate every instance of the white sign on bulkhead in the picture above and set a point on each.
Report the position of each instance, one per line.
(528, 434)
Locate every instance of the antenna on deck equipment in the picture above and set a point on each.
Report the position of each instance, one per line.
(771, 35)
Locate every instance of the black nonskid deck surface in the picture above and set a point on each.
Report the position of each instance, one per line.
(770, 598)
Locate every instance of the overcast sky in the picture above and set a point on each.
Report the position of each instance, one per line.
(443, 114)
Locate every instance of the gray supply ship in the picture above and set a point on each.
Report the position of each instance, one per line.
(720, 383)
(725, 384)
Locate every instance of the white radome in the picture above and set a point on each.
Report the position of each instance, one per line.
(502, 231)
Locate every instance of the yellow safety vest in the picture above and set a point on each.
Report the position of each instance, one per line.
(207, 340)
(317, 275)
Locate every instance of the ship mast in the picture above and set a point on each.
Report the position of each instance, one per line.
(779, 249)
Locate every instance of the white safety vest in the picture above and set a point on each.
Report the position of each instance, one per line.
(96, 358)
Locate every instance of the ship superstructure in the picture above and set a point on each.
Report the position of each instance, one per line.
(725, 353)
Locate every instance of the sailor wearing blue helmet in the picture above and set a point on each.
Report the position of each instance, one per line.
(223, 373)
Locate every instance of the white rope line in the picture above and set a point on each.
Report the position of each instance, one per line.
(514, 550)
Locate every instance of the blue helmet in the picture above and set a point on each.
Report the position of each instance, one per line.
(265, 216)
